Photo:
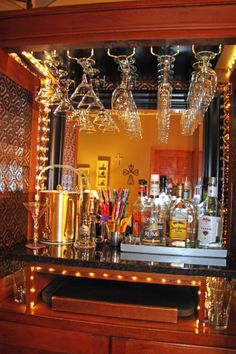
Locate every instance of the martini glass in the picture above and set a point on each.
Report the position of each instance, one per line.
(36, 210)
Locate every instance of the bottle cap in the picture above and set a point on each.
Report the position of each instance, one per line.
(213, 181)
(142, 181)
(155, 178)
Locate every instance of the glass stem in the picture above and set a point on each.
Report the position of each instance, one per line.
(36, 226)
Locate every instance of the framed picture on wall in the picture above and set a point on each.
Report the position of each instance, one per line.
(102, 175)
(84, 172)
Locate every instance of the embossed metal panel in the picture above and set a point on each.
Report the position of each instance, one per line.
(15, 139)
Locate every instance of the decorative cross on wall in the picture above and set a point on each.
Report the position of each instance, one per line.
(118, 159)
(130, 171)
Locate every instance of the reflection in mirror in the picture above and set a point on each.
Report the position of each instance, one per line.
(82, 86)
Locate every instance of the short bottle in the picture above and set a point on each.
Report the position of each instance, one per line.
(210, 223)
(182, 225)
(139, 207)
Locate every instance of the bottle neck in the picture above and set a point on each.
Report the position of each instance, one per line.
(212, 191)
(154, 191)
(162, 184)
(179, 191)
(142, 191)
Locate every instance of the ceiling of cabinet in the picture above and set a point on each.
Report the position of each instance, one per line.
(146, 63)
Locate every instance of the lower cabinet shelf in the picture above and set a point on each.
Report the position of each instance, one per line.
(137, 301)
(93, 316)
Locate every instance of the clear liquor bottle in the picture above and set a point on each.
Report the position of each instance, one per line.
(139, 207)
(164, 199)
(182, 224)
(197, 195)
(164, 202)
(163, 205)
(153, 227)
(210, 223)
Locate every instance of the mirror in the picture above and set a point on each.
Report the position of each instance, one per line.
(133, 158)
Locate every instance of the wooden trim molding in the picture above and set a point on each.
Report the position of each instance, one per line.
(84, 25)
(16, 72)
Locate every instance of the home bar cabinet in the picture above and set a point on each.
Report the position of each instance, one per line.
(122, 309)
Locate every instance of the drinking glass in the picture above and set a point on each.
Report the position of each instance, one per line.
(19, 286)
(218, 302)
(80, 90)
(202, 89)
(105, 122)
(122, 101)
(83, 121)
(37, 210)
(64, 104)
(165, 64)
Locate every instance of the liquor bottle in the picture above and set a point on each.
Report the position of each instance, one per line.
(169, 187)
(187, 189)
(197, 196)
(164, 198)
(138, 206)
(182, 224)
(164, 202)
(153, 222)
(154, 186)
(148, 226)
(210, 224)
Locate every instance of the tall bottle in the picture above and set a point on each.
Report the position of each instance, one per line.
(153, 227)
(210, 223)
(164, 202)
(182, 224)
(197, 195)
(139, 207)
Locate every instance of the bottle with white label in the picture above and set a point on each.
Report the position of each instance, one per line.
(153, 223)
(182, 225)
(210, 225)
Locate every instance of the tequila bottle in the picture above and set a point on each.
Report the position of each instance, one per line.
(210, 225)
(182, 224)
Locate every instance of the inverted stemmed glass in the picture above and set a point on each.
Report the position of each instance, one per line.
(201, 91)
(65, 104)
(105, 122)
(89, 108)
(164, 93)
(122, 101)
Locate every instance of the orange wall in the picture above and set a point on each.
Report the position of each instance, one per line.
(136, 152)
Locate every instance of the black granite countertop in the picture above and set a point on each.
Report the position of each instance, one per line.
(106, 257)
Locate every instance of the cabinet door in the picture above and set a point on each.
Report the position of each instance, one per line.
(32, 339)
(132, 346)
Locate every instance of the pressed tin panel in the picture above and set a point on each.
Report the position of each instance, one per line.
(15, 139)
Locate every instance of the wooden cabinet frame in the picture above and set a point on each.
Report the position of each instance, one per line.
(165, 21)
(127, 23)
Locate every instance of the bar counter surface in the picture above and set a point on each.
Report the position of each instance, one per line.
(106, 257)
(91, 326)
